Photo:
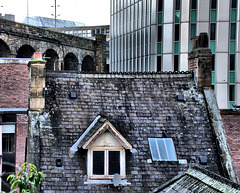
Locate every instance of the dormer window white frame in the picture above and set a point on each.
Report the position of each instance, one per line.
(106, 151)
(104, 163)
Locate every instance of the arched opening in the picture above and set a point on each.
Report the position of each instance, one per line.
(4, 50)
(88, 64)
(70, 62)
(52, 59)
(25, 51)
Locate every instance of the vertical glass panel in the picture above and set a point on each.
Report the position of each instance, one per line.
(213, 62)
(213, 15)
(233, 15)
(213, 77)
(193, 30)
(160, 18)
(160, 5)
(159, 63)
(194, 4)
(231, 105)
(159, 48)
(114, 162)
(214, 4)
(231, 93)
(232, 62)
(176, 47)
(213, 31)
(171, 149)
(193, 16)
(177, 16)
(232, 46)
(159, 33)
(176, 34)
(233, 31)
(162, 149)
(232, 77)
(178, 5)
(212, 46)
(154, 149)
(190, 45)
(234, 3)
(176, 62)
(8, 143)
(98, 162)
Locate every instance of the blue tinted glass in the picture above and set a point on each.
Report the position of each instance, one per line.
(162, 149)
(170, 149)
(154, 149)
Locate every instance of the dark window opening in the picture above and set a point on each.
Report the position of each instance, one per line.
(25, 51)
(178, 5)
(70, 62)
(114, 162)
(98, 162)
(88, 64)
(194, 4)
(159, 33)
(176, 38)
(9, 118)
(213, 31)
(214, 4)
(234, 3)
(160, 5)
(213, 62)
(233, 31)
(232, 62)
(8, 144)
(159, 63)
(176, 61)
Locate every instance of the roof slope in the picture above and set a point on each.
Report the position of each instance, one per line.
(197, 179)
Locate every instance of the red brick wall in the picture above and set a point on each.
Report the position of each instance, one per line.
(14, 85)
(232, 127)
(21, 135)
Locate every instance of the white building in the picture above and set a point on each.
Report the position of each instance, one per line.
(154, 35)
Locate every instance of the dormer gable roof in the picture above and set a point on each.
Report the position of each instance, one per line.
(99, 126)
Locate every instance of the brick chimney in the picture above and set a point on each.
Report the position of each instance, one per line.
(200, 61)
(101, 53)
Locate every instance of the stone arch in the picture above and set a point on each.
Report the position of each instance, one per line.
(4, 50)
(70, 62)
(88, 64)
(52, 59)
(25, 51)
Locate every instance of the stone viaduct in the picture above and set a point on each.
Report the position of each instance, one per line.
(61, 51)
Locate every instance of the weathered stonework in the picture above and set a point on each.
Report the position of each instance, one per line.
(139, 106)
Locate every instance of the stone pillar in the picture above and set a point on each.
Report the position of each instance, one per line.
(36, 106)
(37, 84)
(200, 61)
(100, 53)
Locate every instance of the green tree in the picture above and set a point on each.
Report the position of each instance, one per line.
(27, 180)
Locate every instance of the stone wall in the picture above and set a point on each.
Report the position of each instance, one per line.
(139, 106)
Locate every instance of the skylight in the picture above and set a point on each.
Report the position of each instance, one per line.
(162, 149)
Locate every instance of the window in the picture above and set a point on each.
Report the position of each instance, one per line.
(105, 163)
(162, 149)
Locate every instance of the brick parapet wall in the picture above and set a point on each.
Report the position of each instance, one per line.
(14, 87)
(21, 136)
(19, 29)
(232, 126)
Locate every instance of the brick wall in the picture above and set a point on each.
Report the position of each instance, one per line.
(232, 126)
(14, 85)
(21, 135)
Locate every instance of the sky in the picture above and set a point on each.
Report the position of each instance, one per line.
(89, 12)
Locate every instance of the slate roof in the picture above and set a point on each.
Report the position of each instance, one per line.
(197, 179)
(139, 106)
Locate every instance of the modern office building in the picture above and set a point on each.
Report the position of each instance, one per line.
(155, 35)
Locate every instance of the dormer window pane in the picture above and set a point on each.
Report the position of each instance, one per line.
(98, 162)
(114, 162)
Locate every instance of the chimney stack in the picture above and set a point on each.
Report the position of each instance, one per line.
(200, 61)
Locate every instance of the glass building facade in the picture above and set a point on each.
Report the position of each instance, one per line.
(155, 35)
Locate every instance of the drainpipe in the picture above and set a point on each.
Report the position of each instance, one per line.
(1, 158)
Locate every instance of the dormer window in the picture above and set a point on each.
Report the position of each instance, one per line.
(106, 150)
